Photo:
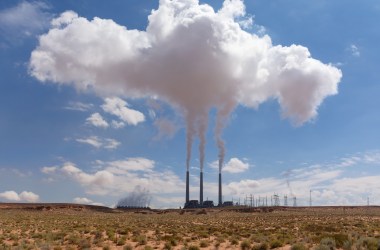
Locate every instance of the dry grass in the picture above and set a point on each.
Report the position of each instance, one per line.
(319, 228)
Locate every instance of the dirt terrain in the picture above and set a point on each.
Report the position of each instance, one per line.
(73, 226)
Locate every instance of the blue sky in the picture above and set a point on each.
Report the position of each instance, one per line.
(61, 143)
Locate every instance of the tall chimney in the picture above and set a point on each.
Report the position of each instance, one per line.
(187, 187)
(201, 189)
(220, 189)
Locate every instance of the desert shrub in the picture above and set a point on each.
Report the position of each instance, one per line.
(37, 236)
(13, 237)
(298, 246)
(193, 248)
(262, 246)
(220, 239)
(245, 245)
(168, 246)
(234, 241)
(347, 245)
(58, 236)
(123, 231)
(73, 239)
(111, 235)
(275, 244)
(140, 239)
(121, 241)
(340, 239)
(322, 247)
(329, 242)
(204, 234)
(107, 248)
(203, 243)
(128, 247)
(84, 244)
(368, 243)
(148, 248)
(173, 242)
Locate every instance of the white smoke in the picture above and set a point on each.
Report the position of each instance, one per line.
(191, 56)
(140, 197)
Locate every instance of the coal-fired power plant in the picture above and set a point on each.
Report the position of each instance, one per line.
(202, 204)
(218, 65)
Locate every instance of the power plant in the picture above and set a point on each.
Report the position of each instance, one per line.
(249, 201)
(203, 204)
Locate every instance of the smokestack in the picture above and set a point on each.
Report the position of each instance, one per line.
(220, 189)
(187, 187)
(201, 189)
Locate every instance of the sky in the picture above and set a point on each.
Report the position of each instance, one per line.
(98, 99)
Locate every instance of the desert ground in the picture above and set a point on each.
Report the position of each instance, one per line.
(71, 226)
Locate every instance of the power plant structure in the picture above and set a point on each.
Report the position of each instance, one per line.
(249, 201)
(203, 204)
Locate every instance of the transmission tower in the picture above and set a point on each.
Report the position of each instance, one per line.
(285, 200)
(276, 198)
(310, 199)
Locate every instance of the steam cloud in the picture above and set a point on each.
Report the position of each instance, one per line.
(140, 197)
(190, 56)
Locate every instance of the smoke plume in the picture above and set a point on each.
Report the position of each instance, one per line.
(192, 57)
(139, 197)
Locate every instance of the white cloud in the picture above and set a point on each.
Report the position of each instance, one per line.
(130, 164)
(354, 50)
(79, 106)
(348, 161)
(48, 170)
(119, 108)
(190, 56)
(21, 173)
(234, 165)
(84, 200)
(371, 157)
(24, 20)
(65, 19)
(328, 183)
(29, 196)
(117, 124)
(97, 120)
(24, 196)
(246, 23)
(97, 183)
(111, 143)
(366, 158)
(243, 186)
(97, 142)
(118, 177)
(92, 140)
(10, 195)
